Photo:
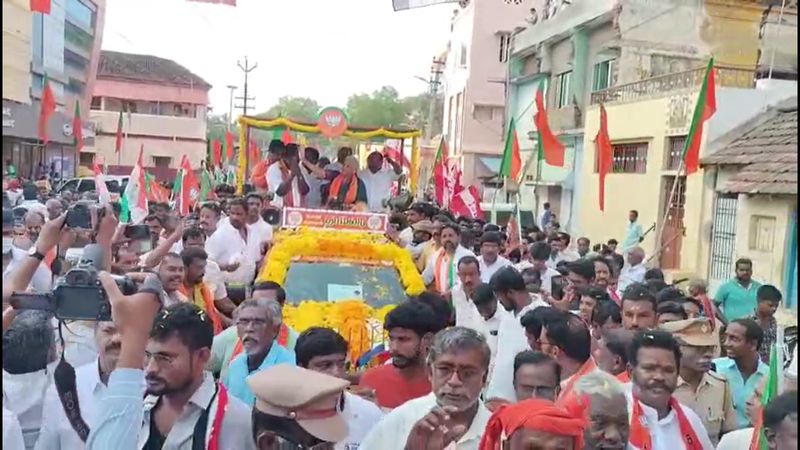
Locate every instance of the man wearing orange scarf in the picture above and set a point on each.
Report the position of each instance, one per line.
(658, 420)
(533, 423)
(285, 181)
(347, 189)
(196, 290)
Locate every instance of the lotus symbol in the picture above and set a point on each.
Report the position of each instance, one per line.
(333, 120)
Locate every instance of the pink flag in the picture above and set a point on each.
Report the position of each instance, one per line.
(103, 196)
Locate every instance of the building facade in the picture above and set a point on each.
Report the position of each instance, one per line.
(475, 83)
(65, 46)
(164, 108)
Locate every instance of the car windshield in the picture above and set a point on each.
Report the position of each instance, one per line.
(332, 281)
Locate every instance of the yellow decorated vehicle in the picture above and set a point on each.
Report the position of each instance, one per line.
(339, 271)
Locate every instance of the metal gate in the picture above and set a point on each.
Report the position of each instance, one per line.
(723, 239)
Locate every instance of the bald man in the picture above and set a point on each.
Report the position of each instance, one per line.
(634, 270)
(347, 190)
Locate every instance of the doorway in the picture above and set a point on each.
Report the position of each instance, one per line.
(674, 201)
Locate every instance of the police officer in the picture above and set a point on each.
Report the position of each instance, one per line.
(704, 391)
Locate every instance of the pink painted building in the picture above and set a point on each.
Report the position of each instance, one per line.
(475, 80)
(164, 111)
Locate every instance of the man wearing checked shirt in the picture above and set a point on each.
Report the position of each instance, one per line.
(441, 271)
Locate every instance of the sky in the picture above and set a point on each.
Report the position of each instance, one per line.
(323, 49)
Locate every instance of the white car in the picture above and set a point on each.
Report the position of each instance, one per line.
(115, 183)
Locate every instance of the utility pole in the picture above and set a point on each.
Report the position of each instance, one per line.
(434, 82)
(230, 106)
(247, 68)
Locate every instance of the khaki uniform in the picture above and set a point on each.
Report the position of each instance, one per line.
(713, 403)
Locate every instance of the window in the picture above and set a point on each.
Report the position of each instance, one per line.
(602, 75)
(762, 233)
(482, 112)
(97, 103)
(674, 153)
(78, 37)
(505, 46)
(162, 161)
(462, 57)
(563, 82)
(37, 39)
(80, 14)
(86, 159)
(630, 158)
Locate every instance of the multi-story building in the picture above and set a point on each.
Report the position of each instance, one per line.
(164, 109)
(474, 83)
(65, 46)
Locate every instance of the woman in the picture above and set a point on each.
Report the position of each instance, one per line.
(347, 190)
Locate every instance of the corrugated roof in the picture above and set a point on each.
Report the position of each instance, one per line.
(147, 69)
(765, 150)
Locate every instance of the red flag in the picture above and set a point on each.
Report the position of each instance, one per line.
(286, 137)
(118, 143)
(396, 156)
(216, 146)
(189, 189)
(605, 155)
(511, 165)
(440, 171)
(46, 109)
(467, 203)
(41, 6)
(77, 128)
(705, 108)
(255, 153)
(229, 145)
(551, 150)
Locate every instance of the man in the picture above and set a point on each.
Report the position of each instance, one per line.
(421, 234)
(769, 298)
(171, 275)
(411, 327)
(30, 200)
(780, 421)
(533, 424)
(639, 308)
(21, 247)
(742, 366)
(698, 289)
(260, 230)
(658, 421)
(491, 315)
(209, 218)
(580, 274)
(634, 271)
(453, 414)
(536, 375)
(257, 325)
(325, 351)
(584, 245)
(633, 232)
(429, 248)
(540, 253)
(440, 271)
(213, 278)
(378, 180)
(510, 289)
(285, 179)
(547, 217)
(606, 316)
(156, 226)
(29, 355)
(611, 353)
(54, 208)
(566, 339)
(184, 402)
(670, 312)
(314, 176)
(234, 247)
(737, 297)
(416, 213)
(469, 276)
(12, 431)
(347, 190)
(490, 259)
(197, 292)
(600, 400)
(701, 389)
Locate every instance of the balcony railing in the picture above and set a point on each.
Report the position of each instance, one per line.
(665, 84)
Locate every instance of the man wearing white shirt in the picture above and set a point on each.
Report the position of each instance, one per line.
(490, 258)
(440, 271)
(379, 180)
(491, 315)
(257, 226)
(30, 200)
(455, 404)
(91, 379)
(540, 253)
(285, 180)
(233, 247)
(469, 276)
(324, 350)
(12, 431)
(658, 421)
(634, 271)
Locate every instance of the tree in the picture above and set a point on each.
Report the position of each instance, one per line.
(417, 109)
(296, 108)
(216, 126)
(382, 108)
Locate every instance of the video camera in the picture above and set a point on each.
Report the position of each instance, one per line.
(78, 295)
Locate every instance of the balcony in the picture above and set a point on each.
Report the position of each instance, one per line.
(667, 84)
(147, 125)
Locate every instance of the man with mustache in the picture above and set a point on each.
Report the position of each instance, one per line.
(184, 402)
(90, 381)
(234, 247)
(453, 415)
(440, 271)
(658, 420)
(639, 308)
(170, 273)
(490, 258)
(700, 388)
(600, 399)
(469, 276)
(209, 217)
(411, 327)
(195, 289)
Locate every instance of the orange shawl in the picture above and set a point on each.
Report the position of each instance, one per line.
(352, 190)
(201, 296)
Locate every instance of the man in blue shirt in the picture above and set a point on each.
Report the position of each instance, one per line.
(737, 296)
(547, 217)
(742, 366)
(633, 232)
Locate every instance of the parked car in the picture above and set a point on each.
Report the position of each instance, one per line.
(115, 184)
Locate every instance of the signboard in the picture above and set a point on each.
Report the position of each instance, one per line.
(332, 122)
(334, 220)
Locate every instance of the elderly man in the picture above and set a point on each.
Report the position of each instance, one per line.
(347, 189)
(458, 363)
(533, 424)
(600, 399)
(634, 271)
(54, 208)
(257, 324)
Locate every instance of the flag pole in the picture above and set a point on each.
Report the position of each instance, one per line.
(519, 217)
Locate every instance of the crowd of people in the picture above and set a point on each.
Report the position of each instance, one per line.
(524, 339)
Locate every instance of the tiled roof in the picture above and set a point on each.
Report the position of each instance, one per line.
(765, 151)
(147, 69)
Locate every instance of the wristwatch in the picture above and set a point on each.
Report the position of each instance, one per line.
(34, 252)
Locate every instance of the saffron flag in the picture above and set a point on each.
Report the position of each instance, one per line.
(511, 165)
(134, 199)
(440, 170)
(604, 154)
(155, 191)
(118, 142)
(759, 440)
(77, 128)
(705, 108)
(286, 136)
(216, 147)
(103, 196)
(41, 6)
(46, 109)
(393, 150)
(186, 189)
(229, 146)
(551, 150)
(467, 203)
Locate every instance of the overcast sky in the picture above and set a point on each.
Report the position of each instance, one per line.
(323, 49)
